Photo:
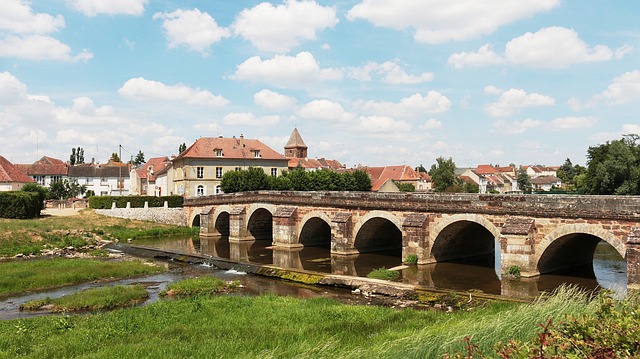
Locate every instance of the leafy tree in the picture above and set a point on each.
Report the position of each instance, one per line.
(443, 174)
(182, 148)
(362, 180)
(524, 181)
(252, 179)
(614, 167)
(139, 159)
(66, 189)
(115, 157)
(77, 156)
(42, 192)
(405, 187)
(421, 169)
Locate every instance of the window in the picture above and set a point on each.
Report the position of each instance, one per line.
(200, 172)
(218, 190)
(256, 153)
(274, 172)
(218, 172)
(104, 181)
(200, 191)
(238, 168)
(56, 179)
(218, 152)
(89, 180)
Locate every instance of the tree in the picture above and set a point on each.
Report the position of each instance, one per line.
(115, 157)
(77, 156)
(524, 181)
(405, 187)
(614, 167)
(139, 159)
(66, 189)
(362, 180)
(421, 169)
(443, 174)
(42, 192)
(182, 148)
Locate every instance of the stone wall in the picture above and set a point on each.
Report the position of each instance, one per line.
(175, 216)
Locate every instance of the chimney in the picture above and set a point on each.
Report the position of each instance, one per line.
(241, 141)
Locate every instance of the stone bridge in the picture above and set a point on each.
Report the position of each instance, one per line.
(537, 233)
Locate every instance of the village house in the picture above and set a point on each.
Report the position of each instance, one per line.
(110, 179)
(384, 179)
(546, 183)
(144, 180)
(11, 177)
(199, 169)
(296, 151)
(46, 170)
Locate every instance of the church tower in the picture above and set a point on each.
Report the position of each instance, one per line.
(295, 147)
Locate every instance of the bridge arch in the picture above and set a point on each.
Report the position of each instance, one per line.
(220, 220)
(315, 229)
(378, 231)
(573, 244)
(461, 236)
(260, 220)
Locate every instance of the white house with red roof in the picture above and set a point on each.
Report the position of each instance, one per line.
(11, 177)
(199, 169)
(144, 179)
(46, 170)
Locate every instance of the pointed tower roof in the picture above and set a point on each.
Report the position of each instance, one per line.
(295, 140)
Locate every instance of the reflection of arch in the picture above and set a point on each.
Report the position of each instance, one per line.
(260, 222)
(573, 245)
(315, 229)
(463, 236)
(378, 231)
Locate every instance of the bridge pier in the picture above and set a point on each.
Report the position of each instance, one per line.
(342, 241)
(285, 228)
(517, 246)
(415, 236)
(238, 228)
(633, 259)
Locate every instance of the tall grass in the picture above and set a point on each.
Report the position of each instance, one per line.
(20, 276)
(278, 327)
(93, 299)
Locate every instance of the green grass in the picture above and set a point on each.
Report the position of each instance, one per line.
(28, 275)
(122, 233)
(384, 273)
(207, 285)
(93, 299)
(278, 327)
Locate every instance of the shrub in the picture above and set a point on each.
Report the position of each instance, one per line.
(20, 205)
(383, 273)
(411, 259)
(514, 271)
(104, 202)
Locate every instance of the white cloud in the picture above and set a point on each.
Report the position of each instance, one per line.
(140, 88)
(412, 106)
(571, 123)
(623, 88)
(84, 112)
(623, 50)
(483, 57)
(553, 47)
(285, 71)
(391, 73)
(279, 28)
(517, 127)
(249, 119)
(108, 7)
(191, 28)
(431, 124)
(631, 128)
(39, 47)
(273, 101)
(324, 110)
(18, 17)
(514, 99)
(437, 21)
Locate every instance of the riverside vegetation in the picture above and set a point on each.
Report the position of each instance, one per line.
(568, 324)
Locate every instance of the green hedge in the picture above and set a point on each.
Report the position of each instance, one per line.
(104, 202)
(20, 205)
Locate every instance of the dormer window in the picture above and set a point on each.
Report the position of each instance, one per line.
(218, 152)
(256, 153)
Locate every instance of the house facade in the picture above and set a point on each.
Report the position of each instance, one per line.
(11, 177)
(198, 170)
(111, 179)
(46, 170)
(144, 180)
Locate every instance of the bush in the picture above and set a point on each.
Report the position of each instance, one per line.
(20, 205)
(383, 273)
(411, 259)
(104, 202)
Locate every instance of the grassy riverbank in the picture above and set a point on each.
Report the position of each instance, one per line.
(280, 327)
(93, 299)
(87, 228)
(30, 275)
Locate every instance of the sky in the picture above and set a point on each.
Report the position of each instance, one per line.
(366, 82)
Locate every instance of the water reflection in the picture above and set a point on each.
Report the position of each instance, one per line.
(479, 273)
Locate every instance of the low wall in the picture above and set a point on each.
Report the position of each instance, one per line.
(175, 216)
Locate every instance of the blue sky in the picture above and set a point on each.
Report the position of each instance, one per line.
(370, 82)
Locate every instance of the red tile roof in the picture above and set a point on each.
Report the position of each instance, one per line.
(380, 175)
(232, 148)
(156, 163)
(11, 174)
(45, 166)
(314, 163)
